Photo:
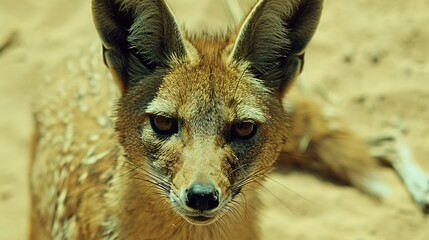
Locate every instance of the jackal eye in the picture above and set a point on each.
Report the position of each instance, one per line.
(244, 130)
(164, 125)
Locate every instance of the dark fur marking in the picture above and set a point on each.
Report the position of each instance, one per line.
(275, 38)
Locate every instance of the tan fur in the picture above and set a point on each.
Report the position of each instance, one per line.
(102, 172)
(322, 143)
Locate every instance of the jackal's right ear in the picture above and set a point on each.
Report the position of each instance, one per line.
(273, 37)
(138, 37)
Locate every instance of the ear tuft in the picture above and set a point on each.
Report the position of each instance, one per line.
(273, 38)
(139, 36)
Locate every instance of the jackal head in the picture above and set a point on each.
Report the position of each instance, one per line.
(202, 116)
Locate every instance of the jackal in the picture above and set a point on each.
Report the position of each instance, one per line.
(171, 140)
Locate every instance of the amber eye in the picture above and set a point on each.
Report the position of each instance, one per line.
(243, 130)
(164, 125)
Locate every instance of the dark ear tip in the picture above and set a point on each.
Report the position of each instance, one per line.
(109, 26)
(100, 12)
(281, 30)
(304, 23)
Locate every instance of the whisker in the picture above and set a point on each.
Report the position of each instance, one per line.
(238, 83)
(279, 200)
(291, 190)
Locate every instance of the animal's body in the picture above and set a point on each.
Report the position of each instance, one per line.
(175, 143)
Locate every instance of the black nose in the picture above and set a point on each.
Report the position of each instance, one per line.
(202, 197)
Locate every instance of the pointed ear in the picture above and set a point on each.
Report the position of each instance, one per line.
(138, 37)
(273, 37)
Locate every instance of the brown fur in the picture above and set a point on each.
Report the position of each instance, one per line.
(97, 178)
(322, 143)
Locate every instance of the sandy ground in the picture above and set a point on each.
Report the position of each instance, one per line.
(372, 56)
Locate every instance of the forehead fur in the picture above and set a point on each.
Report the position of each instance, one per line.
(210, 86)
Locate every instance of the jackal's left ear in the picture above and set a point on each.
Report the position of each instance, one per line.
(139, 37)
(273, 37)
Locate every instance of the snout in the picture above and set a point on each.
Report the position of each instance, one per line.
(199, 203)
(201, 185)
(201, 197)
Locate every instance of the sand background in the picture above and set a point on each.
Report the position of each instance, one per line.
(371, 57)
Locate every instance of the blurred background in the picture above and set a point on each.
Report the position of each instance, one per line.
(368, 61)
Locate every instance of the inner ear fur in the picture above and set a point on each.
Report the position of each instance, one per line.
(273, 37)
(138, 37)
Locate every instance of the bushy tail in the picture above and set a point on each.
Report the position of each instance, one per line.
(320, 142)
